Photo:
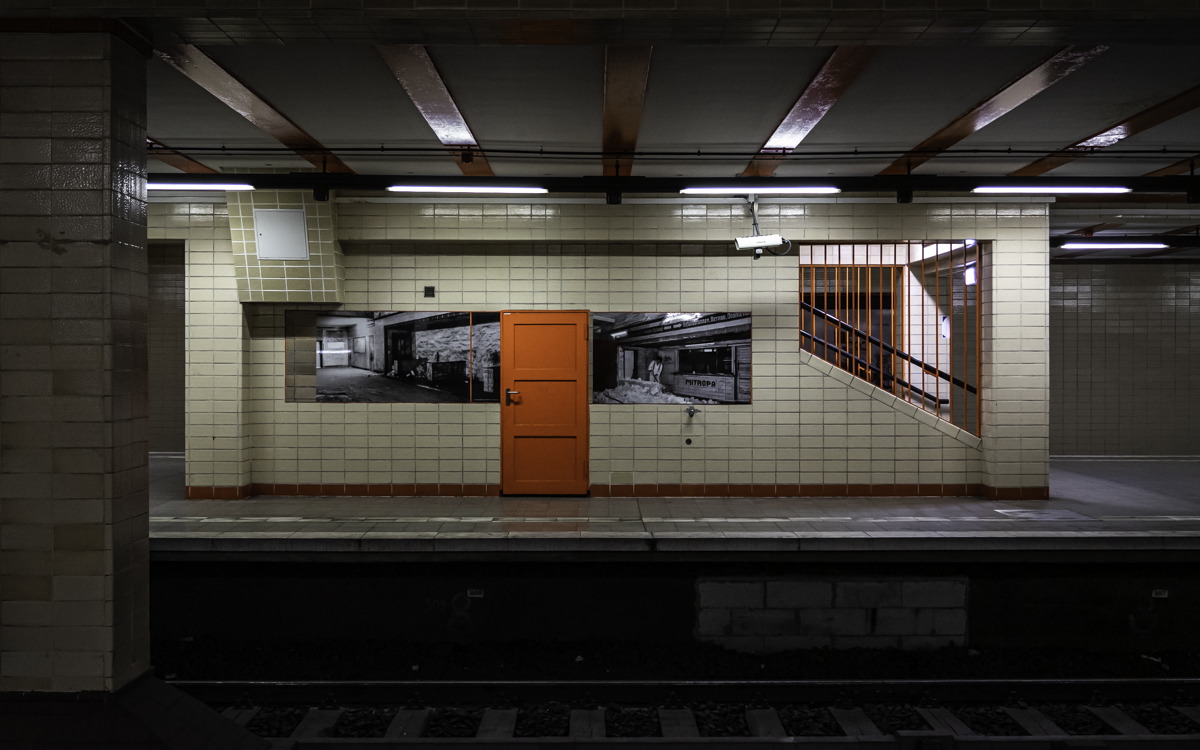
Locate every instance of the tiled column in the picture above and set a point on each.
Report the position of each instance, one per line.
(73, 467)
(1016, 367)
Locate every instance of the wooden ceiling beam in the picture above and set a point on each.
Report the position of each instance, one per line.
(1076, 254)
(1180, 167)
(1168, 251)
(216, 80)
(1090, 231)
(173, 158)
(841, 70)
(415, 71)
(1177, 105)
(626, 71)
(1016, 92)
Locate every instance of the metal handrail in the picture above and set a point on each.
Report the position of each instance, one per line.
(859, 360)
(878, 342)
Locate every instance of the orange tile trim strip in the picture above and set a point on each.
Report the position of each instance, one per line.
(628, 490)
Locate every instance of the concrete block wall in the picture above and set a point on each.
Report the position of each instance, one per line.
(809, 431)
(762, 615)
(1123, 379)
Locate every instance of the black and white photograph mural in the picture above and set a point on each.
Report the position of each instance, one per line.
(403, 357)
(485, 357)
(671, 358)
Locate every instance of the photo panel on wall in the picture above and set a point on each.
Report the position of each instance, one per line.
(671, 358)
(394, 357)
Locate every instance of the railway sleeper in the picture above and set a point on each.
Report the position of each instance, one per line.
(679, 727)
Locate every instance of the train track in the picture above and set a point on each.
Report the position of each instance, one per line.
(818, 714)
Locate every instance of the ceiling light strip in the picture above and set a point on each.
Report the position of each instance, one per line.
(468, 189)
(1113, 246)
(1048, 190)
(767, 190)
(182, 186)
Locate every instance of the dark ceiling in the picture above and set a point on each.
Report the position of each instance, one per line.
(707, 109)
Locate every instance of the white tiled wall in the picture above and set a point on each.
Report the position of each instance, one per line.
(217, 343)
(809, 424)
(318, 280)
(74, 586)
(1125, 380)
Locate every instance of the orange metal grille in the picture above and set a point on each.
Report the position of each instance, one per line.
(903, 316)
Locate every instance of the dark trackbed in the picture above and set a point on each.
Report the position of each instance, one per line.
(942, 714)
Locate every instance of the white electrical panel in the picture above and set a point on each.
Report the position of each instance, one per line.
(281, 233)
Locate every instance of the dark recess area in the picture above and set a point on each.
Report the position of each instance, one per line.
(531, 620)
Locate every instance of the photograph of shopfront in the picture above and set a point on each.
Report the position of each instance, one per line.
(671, 358)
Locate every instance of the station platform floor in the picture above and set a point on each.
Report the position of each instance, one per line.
(1095, 504)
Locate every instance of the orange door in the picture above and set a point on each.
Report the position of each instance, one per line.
(544, 403)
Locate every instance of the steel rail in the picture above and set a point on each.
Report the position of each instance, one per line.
(648, 691)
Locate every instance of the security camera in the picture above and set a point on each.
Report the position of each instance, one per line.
(759, 241)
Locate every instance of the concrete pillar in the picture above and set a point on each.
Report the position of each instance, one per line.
(1016, 368)
(73, 462)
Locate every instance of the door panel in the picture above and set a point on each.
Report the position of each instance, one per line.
(539, 347)
(545, 460)
(546, 404)
(544, 424)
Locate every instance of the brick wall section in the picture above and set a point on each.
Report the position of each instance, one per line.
(771, 614)
(73, 479)
(1106, 322)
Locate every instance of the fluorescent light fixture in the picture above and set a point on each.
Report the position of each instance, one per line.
(969, 276)
(1051, 190)
(1113, 246)
(467, 189)
(195, 186)
(760, 191)
(619, 334)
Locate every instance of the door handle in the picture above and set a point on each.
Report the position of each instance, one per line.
(508, 394)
